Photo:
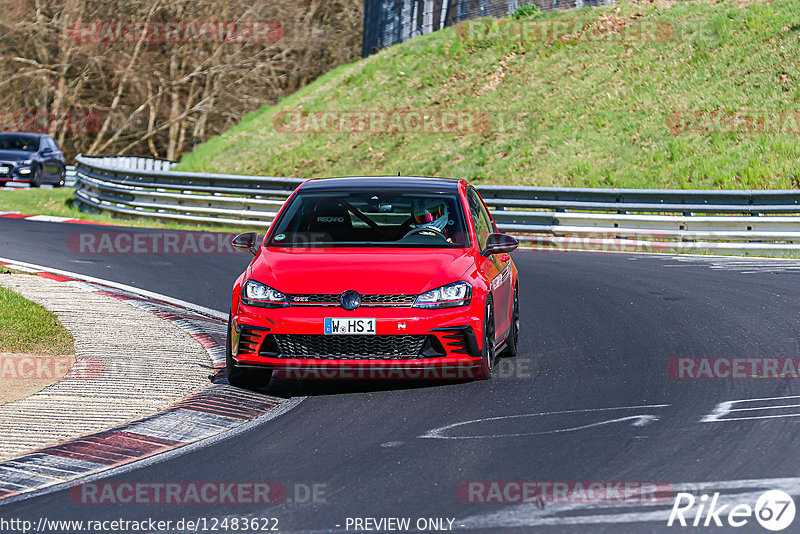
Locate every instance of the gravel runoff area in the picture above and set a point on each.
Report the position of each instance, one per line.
(129, 363)
(13, 386)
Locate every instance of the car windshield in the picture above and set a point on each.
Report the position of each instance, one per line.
(27, 143)
(371, 218)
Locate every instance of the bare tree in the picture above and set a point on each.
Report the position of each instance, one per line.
(161, 96)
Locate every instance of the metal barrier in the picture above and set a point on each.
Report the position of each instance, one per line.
(70, 176)
(607, 219)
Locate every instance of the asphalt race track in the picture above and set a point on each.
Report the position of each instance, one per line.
(597, 332)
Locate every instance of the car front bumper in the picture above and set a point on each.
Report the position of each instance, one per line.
(13, 173)
(291, 341)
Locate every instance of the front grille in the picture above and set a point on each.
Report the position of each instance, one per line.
(405, 300)
(310, 300)
(349, 347)
(366, 300)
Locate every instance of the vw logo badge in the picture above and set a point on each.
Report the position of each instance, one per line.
(350, 300)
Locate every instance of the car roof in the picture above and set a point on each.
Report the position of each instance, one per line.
(32, 134)
(418, 183)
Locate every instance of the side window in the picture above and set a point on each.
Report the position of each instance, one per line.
(53, 144)
(483, 224)
(485, 212)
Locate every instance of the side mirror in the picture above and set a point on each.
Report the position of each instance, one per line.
(246, 241)
(499, 244)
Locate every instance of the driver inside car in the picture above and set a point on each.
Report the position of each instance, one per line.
(431, 217)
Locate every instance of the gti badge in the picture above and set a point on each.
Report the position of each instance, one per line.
(401, 326)
(350, 300)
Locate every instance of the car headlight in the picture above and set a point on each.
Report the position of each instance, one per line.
(26, 162)
(449, 296)
(257, 294)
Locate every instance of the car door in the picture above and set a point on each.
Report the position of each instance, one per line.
(51, 158)
(493, 267)
(61, 163)
(505, 284)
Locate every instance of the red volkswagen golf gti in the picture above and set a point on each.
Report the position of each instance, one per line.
(375, 278)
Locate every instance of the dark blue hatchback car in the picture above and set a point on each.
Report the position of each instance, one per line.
(31, 158)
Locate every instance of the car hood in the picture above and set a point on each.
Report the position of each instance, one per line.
(15, 155)
(368, 271)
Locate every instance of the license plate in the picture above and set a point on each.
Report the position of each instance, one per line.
(335, 325)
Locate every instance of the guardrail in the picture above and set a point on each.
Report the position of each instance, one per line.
(609, 219)
(71, 178)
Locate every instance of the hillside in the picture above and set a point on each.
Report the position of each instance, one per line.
(599, 105)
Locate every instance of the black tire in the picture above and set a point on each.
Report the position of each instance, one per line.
(487, 352)
(37, 178)
(512, 343)
(243, 377)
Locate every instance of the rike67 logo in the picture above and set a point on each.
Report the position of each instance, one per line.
(774, 510)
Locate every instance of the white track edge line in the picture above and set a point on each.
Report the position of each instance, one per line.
(142, 292)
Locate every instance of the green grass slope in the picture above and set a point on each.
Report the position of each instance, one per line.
(26, 327)
(578, 110)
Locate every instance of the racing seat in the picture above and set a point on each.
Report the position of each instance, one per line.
(331, 218)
